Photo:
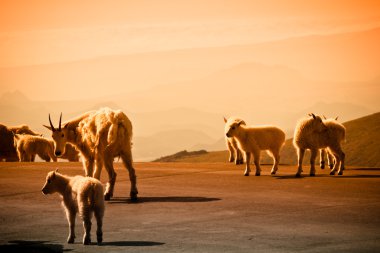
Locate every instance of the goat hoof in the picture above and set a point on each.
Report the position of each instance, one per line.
(332, 173)
(70, 240)
(134, 197)
(340, 173)
(273, 173)
(107, 196)
(322, 166)
(257, 174)
(246, 174)
(312, 174)
(298, 175)
(86, 241)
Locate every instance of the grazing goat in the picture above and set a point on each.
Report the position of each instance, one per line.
(100, 136)
(28, 146)
(236, 155)
(254, 139)
(7, 149)
(314, 134)
(80, 194)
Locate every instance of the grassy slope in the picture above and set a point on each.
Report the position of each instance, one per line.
(361, 147)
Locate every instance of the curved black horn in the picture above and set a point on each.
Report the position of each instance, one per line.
(60, 119)
(51, 124)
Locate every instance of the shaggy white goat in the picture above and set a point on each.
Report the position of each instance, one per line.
(28, 146)
(314, 134)
(236, 155)
(254, 139)
(79, 194)
(100, 136)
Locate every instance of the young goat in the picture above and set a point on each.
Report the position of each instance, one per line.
(83, 194)
(28, 146)
(254, 139)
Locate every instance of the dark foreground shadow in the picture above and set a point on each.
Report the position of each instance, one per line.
(369, 169)
(180, 199)
(21, 246)
(132, 243)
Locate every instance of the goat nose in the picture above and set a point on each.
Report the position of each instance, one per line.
(227, 135)
(57, 153)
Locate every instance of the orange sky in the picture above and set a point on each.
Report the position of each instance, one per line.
(38, 32)
(46, 32)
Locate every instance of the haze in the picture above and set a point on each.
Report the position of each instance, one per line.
(177, 67)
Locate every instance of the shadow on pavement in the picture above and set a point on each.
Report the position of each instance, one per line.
(21, 246)
(184, 199)
(132, 243)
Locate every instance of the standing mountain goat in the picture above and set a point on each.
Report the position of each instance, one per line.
(314, 134)
(236, 155)
(28, 146)
(254, 139)
(100, 136)
(83, 194)
(7, 149)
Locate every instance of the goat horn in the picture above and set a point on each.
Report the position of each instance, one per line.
(60, 119)
(51, 124)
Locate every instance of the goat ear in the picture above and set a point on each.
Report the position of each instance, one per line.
(312, 114)
(324, 117)
(240, 122)
(225, 120)
(56, 170)
(336, 118)
(17, 136)
(48, 127)
(66, 125)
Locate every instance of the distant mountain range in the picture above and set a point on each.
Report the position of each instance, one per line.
(361, 147)
(182, 95)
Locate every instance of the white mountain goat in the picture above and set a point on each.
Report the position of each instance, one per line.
(79, 194)
(236, 155)
(28, 146)
(8, 151)
(254, 139)
(314, 134)
(100, 136)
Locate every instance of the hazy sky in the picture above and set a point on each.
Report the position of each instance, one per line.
(37, 32)
(44, 32)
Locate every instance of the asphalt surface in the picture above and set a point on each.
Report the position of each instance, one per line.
(199, 208)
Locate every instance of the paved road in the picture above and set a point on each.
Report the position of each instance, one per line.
(200, 208)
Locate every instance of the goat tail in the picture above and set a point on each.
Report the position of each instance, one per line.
(119, 119)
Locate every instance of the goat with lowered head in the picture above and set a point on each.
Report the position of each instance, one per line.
(100, 136)
(313, 133)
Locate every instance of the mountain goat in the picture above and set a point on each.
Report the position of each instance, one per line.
(7, 149)
(100, 136)
(314, 134)
(83, 194)
(236, 155)
(254, 139)
(28, 146)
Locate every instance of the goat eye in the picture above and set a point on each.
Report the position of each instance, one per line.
(63, 135)
(48, 181)
(233, 128)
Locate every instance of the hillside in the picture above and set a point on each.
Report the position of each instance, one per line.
(361, 147)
